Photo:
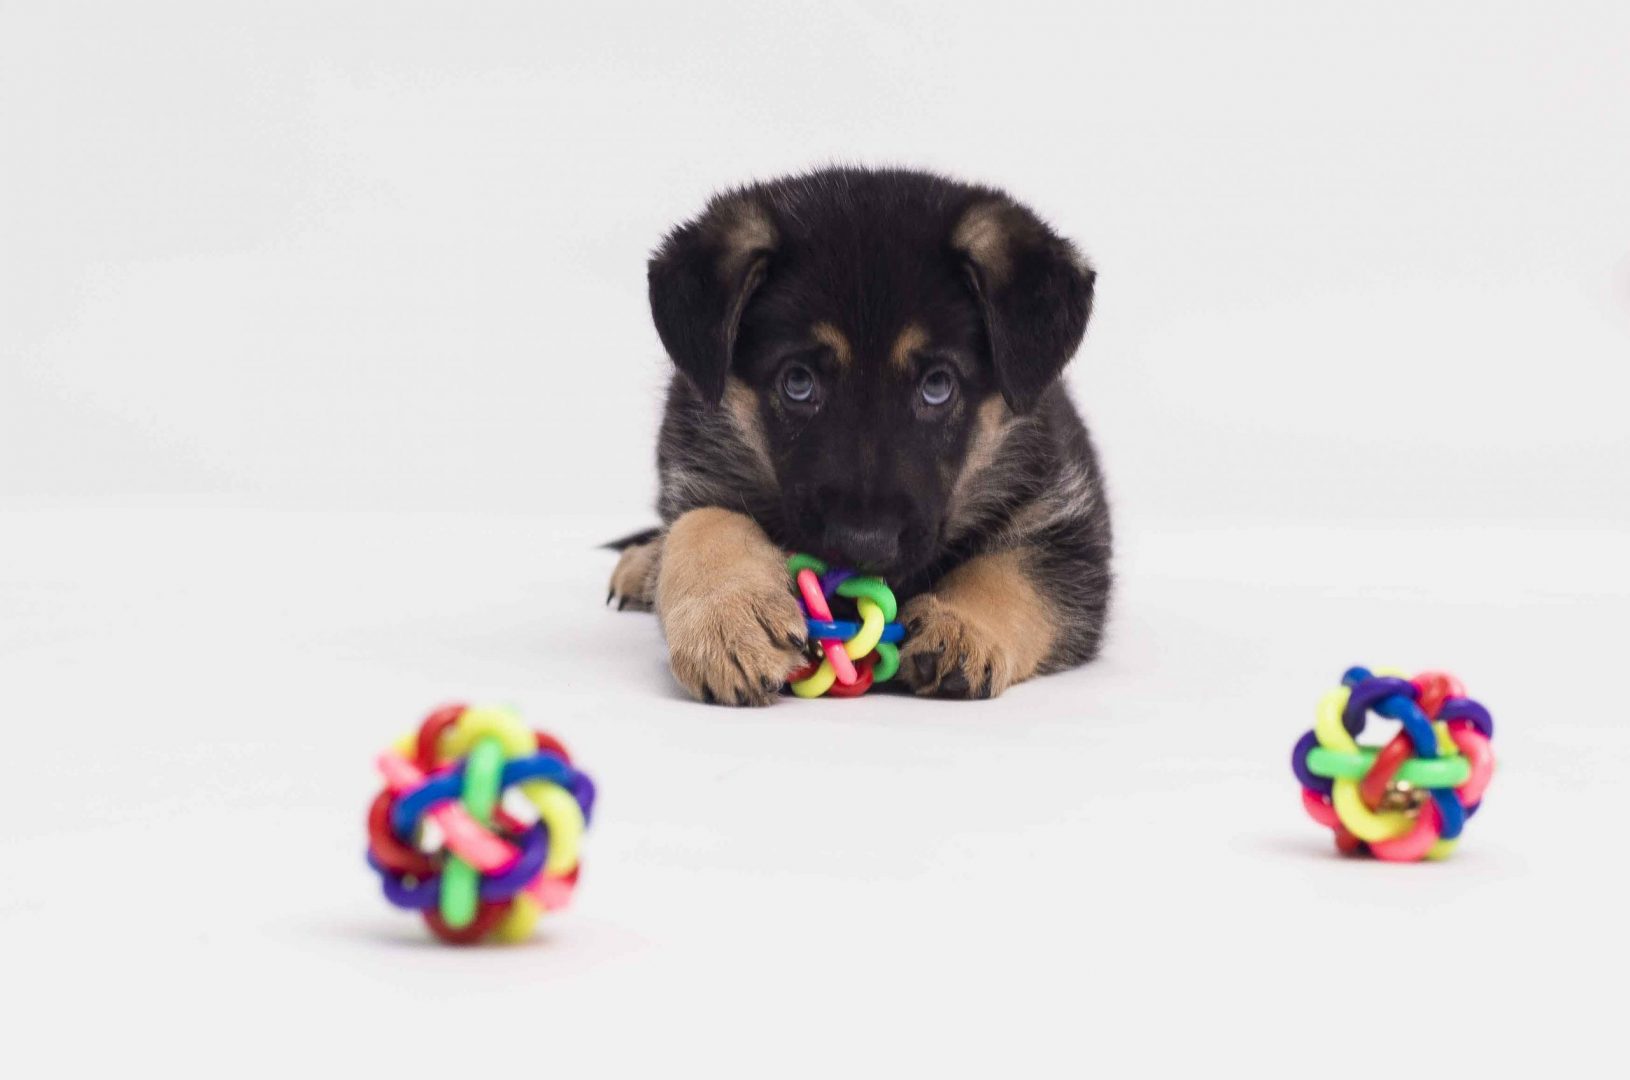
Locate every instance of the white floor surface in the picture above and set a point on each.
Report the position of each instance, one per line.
(1106, 871)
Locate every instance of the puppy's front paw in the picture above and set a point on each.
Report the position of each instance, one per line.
(734, 629)
(735, 646)
(634, 581)
(948, 654)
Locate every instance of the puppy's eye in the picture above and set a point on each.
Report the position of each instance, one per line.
(937, 386)
(798, 383)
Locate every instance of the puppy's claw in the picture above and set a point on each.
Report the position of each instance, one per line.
(734, 647)
(925, 664)
(946, 655)
(633, 582)
(730, 621)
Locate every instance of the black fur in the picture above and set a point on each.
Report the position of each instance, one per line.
(634, 539)
(868, 471)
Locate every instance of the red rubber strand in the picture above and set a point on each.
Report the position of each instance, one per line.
(392, 853)
(1387, 763)
(487, 916)
(430, 735)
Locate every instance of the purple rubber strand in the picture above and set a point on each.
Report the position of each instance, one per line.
(583, 791)
(426, 892)
(1462, 708)
(528, 865)
(1323, 785)
(832, 579)
(1369, 693)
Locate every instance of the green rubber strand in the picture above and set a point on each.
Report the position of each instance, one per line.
(805, 562)
(875, 590)
(461, 882)
(888, 662)
(1444, 772)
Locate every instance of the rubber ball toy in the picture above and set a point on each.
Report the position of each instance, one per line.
(847, 655)
(1411, 798)
(446, 843)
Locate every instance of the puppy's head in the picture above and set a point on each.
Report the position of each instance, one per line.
(866, 327)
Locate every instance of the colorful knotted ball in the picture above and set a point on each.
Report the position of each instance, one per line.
(444, 842)
(846, 655)
(1409, 799)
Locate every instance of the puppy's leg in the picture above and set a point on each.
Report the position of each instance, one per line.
(634, 581)
(984, 627)
(722, 592)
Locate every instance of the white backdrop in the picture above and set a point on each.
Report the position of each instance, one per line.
(325, 360)
(325, 254)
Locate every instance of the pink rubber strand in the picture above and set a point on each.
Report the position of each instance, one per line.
(1319, 810)
(1481, 756)
(842, 666)
(465, 836)
(550, 893)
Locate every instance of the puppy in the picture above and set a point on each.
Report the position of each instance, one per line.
(867, 368)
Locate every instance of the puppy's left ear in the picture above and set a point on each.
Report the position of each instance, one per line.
(700, 280)
(1035, 291)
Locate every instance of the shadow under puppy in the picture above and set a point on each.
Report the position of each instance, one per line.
(868, 369)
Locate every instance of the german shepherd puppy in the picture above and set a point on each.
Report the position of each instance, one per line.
(867, 369)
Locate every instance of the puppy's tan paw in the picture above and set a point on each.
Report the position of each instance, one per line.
(949, 654)
(634, 581)
(733, 626)
(735, 646)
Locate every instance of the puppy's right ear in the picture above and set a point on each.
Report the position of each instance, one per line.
(1034, 290)
(700, 281)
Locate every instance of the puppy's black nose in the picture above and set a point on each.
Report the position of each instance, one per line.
(865, 547)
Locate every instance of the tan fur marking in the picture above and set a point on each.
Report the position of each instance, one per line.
(742, 404)
(830, 336)
(749, 231)
(985, 615)
(734, 630)
(634, 581)
(990, 424)
(753, 230)
(982, 235)
(911, 339)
